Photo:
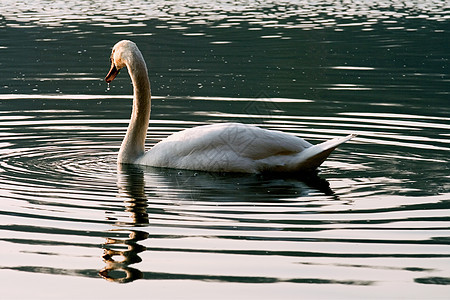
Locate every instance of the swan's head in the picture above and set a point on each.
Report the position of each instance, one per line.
(123, 54)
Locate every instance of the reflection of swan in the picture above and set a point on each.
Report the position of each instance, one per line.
(190, 187)
(119, 270)
(227, 147)
(170, 189)
(131, 188)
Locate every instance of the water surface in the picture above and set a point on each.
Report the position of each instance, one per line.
(374, 222)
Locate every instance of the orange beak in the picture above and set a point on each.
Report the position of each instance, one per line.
(112, 73)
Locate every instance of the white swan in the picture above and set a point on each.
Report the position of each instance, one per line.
(226, 147)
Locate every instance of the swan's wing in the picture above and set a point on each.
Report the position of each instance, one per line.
(245, 140)
(234, 144)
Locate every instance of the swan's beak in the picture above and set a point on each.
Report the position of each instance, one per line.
(112, 73)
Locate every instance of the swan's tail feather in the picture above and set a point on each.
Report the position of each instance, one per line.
(311, 158)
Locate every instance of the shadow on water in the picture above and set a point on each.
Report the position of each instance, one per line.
(223, 187)
(122, 249)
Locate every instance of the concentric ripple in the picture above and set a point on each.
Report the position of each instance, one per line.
(64, 196)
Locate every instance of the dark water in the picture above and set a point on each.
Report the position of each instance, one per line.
(375, 222)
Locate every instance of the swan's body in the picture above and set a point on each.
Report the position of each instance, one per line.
(226, 147)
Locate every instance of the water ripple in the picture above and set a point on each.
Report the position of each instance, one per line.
(226, 14)
(375, 217)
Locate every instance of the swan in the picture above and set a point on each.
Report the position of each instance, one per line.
(224, 147)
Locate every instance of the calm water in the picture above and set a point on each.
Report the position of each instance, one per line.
(375, 222)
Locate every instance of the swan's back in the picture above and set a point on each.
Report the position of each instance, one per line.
(228, 147)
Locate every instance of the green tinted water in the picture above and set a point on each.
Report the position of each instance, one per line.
(373, 224)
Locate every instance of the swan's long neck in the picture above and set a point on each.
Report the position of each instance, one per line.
(133, 145)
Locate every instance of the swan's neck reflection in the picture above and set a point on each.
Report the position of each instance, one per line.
(122, 249)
